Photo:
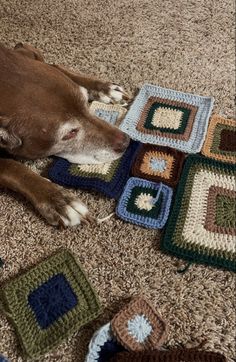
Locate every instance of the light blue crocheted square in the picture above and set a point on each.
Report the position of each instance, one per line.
(195, 141)
(108, 116)
(150, 194)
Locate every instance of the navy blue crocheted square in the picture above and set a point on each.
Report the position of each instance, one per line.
(52, 300)
(3, 359)
(109, 350)
(60, 173)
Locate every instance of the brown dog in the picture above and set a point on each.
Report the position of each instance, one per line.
(44, 111)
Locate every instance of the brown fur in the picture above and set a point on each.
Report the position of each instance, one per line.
(37, 100)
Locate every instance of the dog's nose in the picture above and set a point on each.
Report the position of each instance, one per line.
(121, 142)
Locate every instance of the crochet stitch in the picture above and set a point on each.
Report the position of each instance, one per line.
(47, 309)
(145, 203)
(158, 163)
(201, 226)
(111, 113)
(138, 326)
(220, 143)
(103, 345)
(49, 303)
(174, 355)
(168, 118)
(108, 178)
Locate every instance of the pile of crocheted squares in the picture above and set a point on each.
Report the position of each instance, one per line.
(174, 355)
(145, 203)
(111, 113)
(49, 303)
(138, 326)
(201, 226)
(168, 118)
(158, 164)
(108, 178)
(220, 142)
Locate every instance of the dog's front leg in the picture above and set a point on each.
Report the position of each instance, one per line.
(106, 92)
(56, 205)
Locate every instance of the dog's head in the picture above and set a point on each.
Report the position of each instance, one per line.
(43, 112)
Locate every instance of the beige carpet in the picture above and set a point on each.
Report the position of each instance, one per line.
(186, 45)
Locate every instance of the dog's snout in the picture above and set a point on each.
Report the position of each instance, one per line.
(121, 142)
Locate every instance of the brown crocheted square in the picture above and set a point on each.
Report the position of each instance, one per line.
(138, 326)
(220, 142)
(158, 164)
(220, 215)
(167, 118)
(228, 140)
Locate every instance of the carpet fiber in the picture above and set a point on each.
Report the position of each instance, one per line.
(183, 45)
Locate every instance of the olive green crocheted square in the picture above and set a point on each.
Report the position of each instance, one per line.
(49, 303)
(225, 211)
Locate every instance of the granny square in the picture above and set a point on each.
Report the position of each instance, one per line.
(103, 345)
(111, 113)
(202, 224)
(158, 163)
(220, 143)
(168, 118)
(145, 203)
(48, 309)
(49, 303)
(108, 178)
(138, 326)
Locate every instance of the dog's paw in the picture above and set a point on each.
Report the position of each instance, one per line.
(61, 208)
(114, 94)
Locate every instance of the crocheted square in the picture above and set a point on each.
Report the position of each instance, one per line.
(49, 303)
(111, 113)
(108, 178)
(145, 203)
(221, 211)
(138, 326)
(52, 300)
(168, 118)
(164, 117)
(220, 143)
(103, 345)
(158, 163)
(201, 227)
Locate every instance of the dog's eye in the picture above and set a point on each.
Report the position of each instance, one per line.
(71, 134)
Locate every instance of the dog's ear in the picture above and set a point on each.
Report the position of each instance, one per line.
(29, 51)
(7, 139)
